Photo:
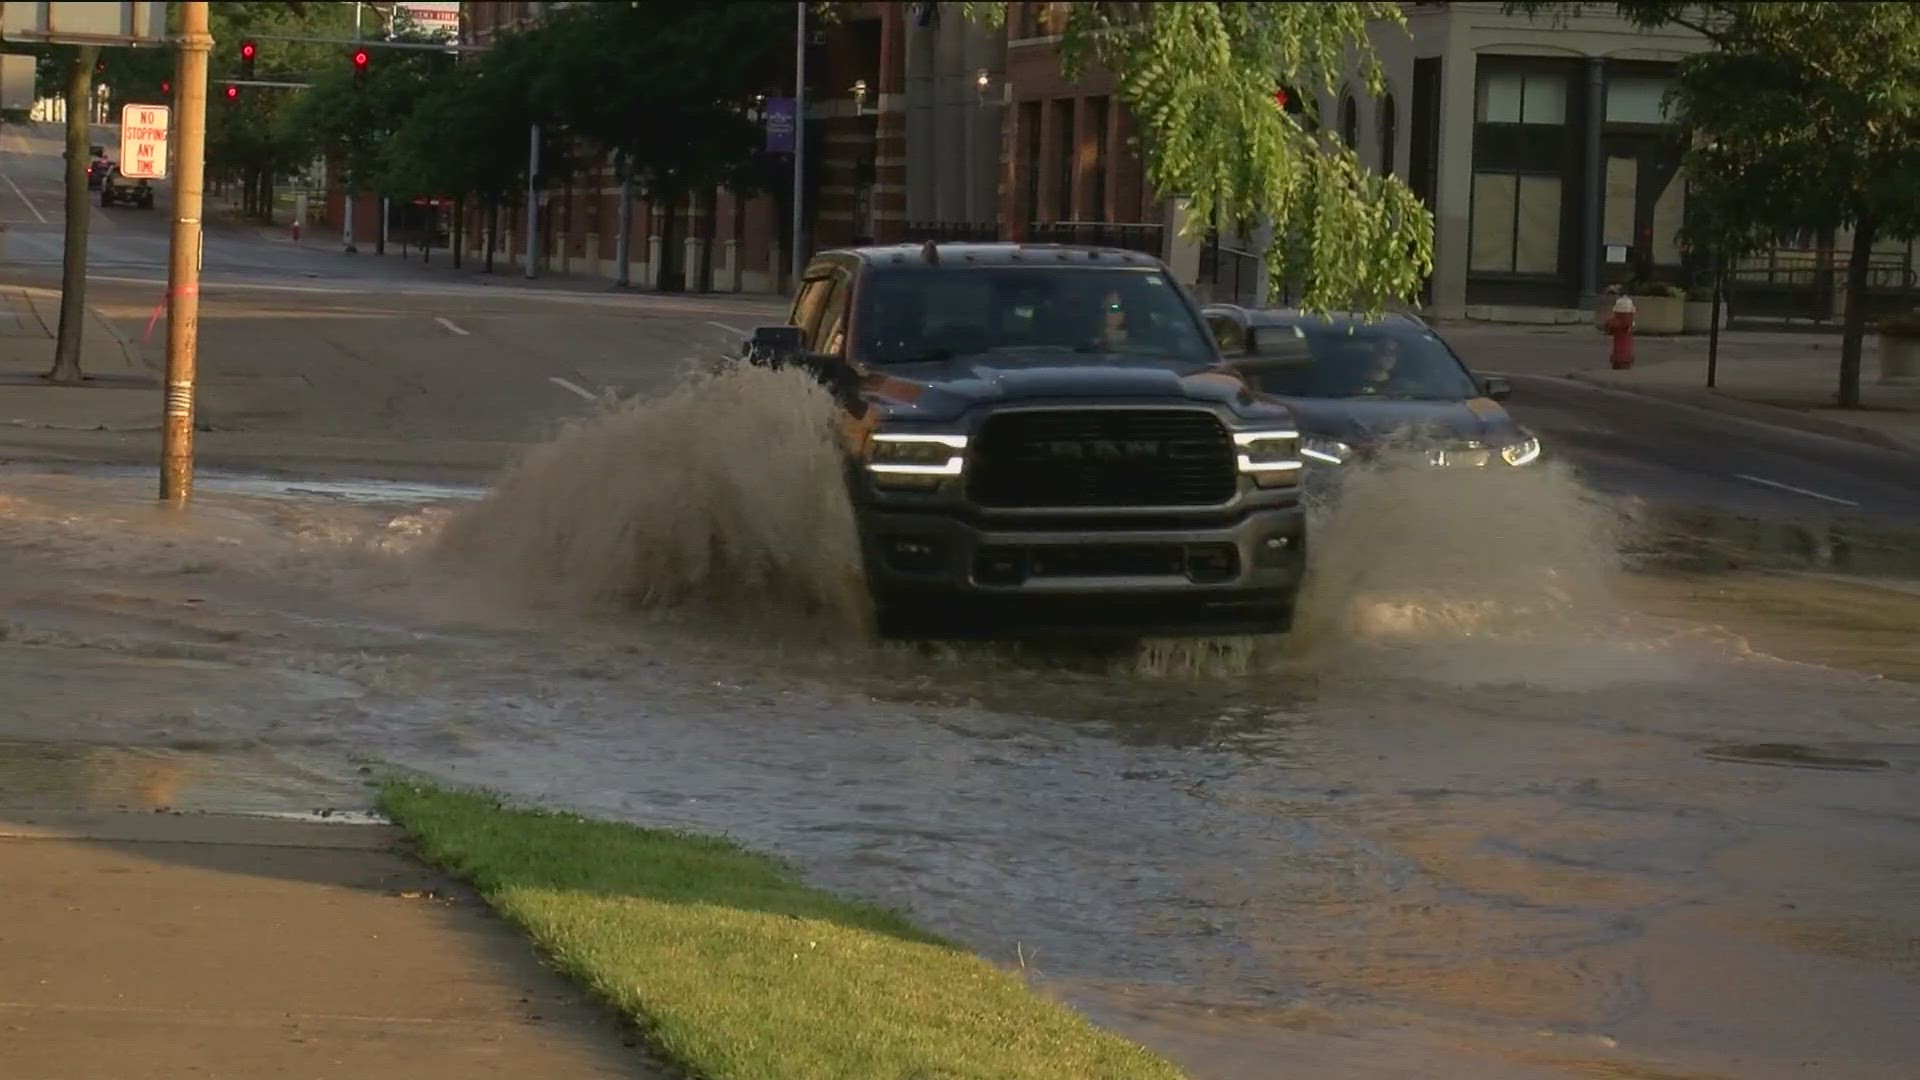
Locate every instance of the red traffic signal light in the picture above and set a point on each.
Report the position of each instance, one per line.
(247, 52)
(232, 92)
(360, 60)
(166, 87)
(247, 49)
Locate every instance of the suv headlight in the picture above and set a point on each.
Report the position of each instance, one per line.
(1524, 452)
(904, 459)
(1326, 451)
(1272, 458)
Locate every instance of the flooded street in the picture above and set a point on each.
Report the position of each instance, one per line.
(1546, 818)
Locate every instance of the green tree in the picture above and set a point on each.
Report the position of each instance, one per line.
(467, 136)
(1800, 115)
(249, 140)
(353, 120)
(1200, 79)
(664, 87)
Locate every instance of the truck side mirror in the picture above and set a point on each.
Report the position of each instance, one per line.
(775, 346)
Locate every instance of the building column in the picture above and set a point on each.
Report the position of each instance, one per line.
(1595, 186)
(1453, 188)
(890, 129)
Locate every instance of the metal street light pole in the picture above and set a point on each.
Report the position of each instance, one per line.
(533, 194)
(799, 132)
(183, 264)
(346, 174)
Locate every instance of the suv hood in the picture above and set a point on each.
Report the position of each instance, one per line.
(1367, 422)
(936, 387)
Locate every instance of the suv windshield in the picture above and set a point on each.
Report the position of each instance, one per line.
(1349, 360)
(930, 313)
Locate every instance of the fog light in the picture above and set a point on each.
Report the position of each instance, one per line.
(1212, 563)
(1275, 551)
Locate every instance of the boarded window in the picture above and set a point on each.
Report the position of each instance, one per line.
(1516, 224)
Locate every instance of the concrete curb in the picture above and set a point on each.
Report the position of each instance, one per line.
(1776, 415)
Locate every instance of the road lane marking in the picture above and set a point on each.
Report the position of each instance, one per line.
(24, 199)
(1795, 490)
(448, 323)
(729, 329)
(575, 387)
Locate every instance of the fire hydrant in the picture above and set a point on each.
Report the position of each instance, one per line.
(1619, 326)
(296, 230)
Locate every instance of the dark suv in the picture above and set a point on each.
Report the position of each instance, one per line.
(1047, 438)
(115, 187)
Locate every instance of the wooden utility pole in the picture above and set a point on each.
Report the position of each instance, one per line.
(183, 267)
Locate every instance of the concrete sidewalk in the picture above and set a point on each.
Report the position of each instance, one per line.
(150, 946)
(1787, 378)
(121, 392)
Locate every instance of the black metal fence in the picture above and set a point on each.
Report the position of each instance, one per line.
(1144, 237)
(953, 232)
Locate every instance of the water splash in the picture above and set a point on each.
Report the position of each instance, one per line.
(725, 495)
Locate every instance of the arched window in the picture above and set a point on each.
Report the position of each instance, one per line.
(1389, 135)
(1350, 121)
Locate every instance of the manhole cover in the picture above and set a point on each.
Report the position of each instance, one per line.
(1791, 756)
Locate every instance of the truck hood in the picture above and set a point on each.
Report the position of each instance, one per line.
(944, 387)
(1368, 422)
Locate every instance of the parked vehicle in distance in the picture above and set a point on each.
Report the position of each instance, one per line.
(97, 166)
(1363, 390)
(115, 188)
(1044, 439)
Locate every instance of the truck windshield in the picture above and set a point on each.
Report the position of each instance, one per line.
(910, 314)
(1347, 360)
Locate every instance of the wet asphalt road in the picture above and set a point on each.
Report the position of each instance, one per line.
(1457, 853)
(1627, 444)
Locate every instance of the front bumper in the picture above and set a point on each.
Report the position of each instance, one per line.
(952, 574)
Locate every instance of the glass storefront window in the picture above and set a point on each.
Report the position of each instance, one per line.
(1638, 100)
(1514, 98)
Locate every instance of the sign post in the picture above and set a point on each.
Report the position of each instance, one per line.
(143, 141)
(183, 268)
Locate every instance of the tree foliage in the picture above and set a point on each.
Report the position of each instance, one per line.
(1798, 116)
(664, 86)
(1200, 79)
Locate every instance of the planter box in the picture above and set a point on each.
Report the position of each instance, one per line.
(1659, 315)
(1698, 318)
(1900, 359)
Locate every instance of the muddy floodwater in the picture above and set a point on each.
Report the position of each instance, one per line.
(1504, 808)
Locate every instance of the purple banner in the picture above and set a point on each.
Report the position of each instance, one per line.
(779, 121)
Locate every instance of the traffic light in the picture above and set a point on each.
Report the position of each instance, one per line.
(233, 94)
(248, 50)
(166, 88)
(359, 66)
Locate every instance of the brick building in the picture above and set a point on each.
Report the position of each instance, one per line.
(919, 124)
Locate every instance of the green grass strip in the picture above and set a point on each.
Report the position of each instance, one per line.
(737, 971)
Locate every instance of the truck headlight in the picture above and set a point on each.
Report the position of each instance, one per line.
(1272, 458)
(1524, 452)
(1326, 451)
(903, 459)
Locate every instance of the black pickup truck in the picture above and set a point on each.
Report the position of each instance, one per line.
(1046, 439)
